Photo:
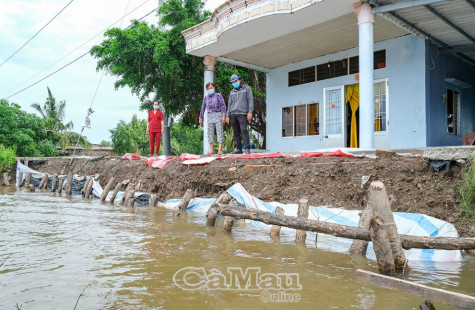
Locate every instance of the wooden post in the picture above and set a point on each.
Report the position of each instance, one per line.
(20, 179)
(152, 201)
(424, 291)
(60, 186)
(27, 180)
(44, 180)
(114, 193)
(378, 198)
(275, 230)
(359, 247)
(53, 183)
(212, 213)
(31, 187)
(105, 192)
(122, 201)
(301, 235)
(382, 247)
(130, 199)
(84, 188)
(228, 222)
(69, 184)
(89, 187)
(185, 201)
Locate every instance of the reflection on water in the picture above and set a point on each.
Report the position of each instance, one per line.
(54, 248)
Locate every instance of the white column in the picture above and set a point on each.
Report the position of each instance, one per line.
(366, 106)
(209, 62)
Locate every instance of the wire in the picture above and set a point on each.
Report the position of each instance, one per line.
(36, 34)
(98, 34)
(69, 63)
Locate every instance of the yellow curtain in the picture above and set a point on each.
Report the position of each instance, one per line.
(353, 98)
(377, 119)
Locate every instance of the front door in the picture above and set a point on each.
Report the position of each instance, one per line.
(381, 122)
(333, 117)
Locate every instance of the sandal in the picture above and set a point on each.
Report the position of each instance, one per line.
(210, 153)
(220, 153)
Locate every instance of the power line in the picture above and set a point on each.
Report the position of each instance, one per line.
(98, 34)
(36, 33)
(69, 63)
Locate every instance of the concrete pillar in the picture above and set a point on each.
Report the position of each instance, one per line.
(366, 106)
(209, 62)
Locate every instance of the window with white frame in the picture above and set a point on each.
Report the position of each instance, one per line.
(453, 112)
(301, 120)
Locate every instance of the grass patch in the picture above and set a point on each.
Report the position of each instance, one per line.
(467, 192)
(7, 158)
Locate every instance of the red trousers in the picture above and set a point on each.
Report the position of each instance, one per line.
(154, 137)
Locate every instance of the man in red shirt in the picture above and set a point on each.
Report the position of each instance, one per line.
(154, 128)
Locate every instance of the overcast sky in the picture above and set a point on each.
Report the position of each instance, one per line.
(66, 36)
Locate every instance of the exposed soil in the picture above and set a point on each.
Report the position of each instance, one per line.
(329, 181)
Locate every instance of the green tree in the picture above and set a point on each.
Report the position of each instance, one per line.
(7, 158)
(130, 137)
(186, 139)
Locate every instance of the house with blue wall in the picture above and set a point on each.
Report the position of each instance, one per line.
(367, 74)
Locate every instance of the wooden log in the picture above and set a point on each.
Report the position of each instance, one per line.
(114, 193)
(27, 180)
(69, 184)
(382, 247)
(60, 186)
(275, 230)
(302, 212)
(212, 213)
(378, 198)
(435, 294)
(44, 180)
(152, 201)
(343, 231)
(106, 190)
(53, 183)
(185, 200)
(31, 187)
(130, 199)
(89, 188)
(20, 179)
(360, 247)
(84, 188)
(228, 222)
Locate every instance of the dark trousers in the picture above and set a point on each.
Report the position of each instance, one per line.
(154, 137)
(239, 123)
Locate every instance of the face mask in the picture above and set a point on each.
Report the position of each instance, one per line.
(155, 107)
(236, 84)
(211, 91)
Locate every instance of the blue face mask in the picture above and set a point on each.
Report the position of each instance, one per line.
(211, 91)
(236, 84)
(155, 107)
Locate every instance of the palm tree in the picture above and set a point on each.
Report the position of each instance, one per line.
(53, 113)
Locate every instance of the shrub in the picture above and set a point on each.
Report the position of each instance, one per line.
(7, 158)
(47, 148)
(467, 192)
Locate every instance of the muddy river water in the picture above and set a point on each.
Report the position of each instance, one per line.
(70, 253)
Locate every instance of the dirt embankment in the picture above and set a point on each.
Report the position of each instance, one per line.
(329, 181)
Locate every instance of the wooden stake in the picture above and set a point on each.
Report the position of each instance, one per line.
(53, 183)
(185, 201)
(84, 188)
(20, 179)
(424, 291)
(114, 193)
(130, 199)
(301, 235)
(31, 187)
(89, 187)
(275, 230)
(212, 213)
(129, 186)
(360, 247)
(106, 190)
(381, 246)
(60, 186)
(44, 180)
(152, 201)
(69, 184)
(27, 180)
(378, 198)
(229, 220)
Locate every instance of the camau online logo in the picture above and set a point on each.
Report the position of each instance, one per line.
(271, 287)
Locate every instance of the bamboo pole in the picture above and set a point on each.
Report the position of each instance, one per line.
(53, 183)
(20, 179)
(302, 212)
(382, 247)
(27, 180)
(343, 231)
(275, 230)
(69, 184)
(212, 213)
(360, 247)
(105, 192)
(378, 198)
(114, 193)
